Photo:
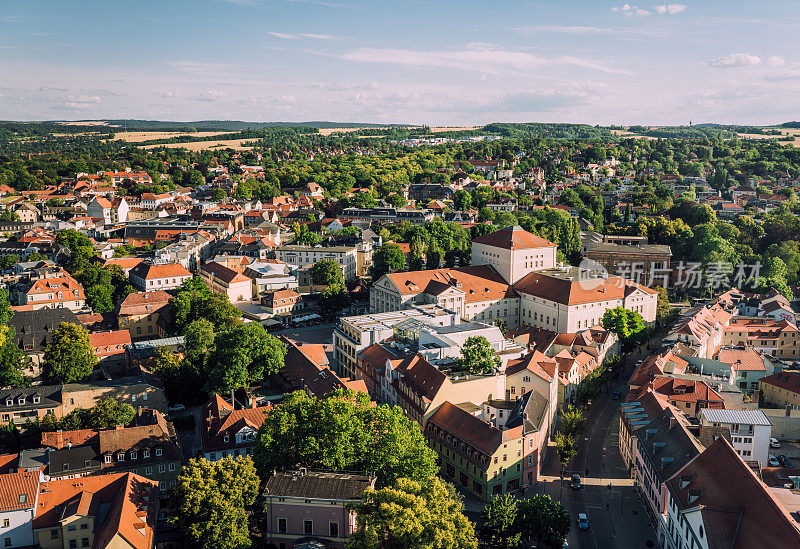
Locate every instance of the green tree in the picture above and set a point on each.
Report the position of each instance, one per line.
(499, 526)
(333, 300)
(198, 340)
(412, 515)
(387, 259)
(8, 216)
(478, 357)
(13, 362)
(572, 421)
(327, 273)
(69, 357)
(623, 322)
(106, 414)
(565, 446)
(543, 519)
(194, 300)
(663, 308)
(6, 312)
(242, 356)
(211, 500)
(8, 261)
(344, 431)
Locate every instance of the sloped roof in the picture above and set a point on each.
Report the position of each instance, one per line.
(144, 302)
(464, 426)
(318, 485)
(513, 238)
(18, 490)
(148, 271)
(571, 290)
(478, 282)
(788, 381)
(222, 272)
(738, 510)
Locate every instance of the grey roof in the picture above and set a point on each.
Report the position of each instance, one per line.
(319, 249)
(139, 349)
(752, 417)
(33, 459)
(461, 327)
(530, 409)
(33, 328)
(667, 444)
(318, 485)
(656, 249)
(49, 397)
(75, 459)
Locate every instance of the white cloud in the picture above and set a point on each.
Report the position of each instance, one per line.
(313, 36)
(736, 60)
(670, 9)
(283, 35)
(480, 59)
(83, 98)
(776, 61)
(208, 95)
(565, 29)
(632, 11)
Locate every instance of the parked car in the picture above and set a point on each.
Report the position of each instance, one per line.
(583, 521)
(576, 482)
(773, 443)
(615, 395)
(564, 545)
(773, 461)
(786, 462)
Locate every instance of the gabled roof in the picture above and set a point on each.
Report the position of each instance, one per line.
(220, 418)
(318, 485)
(139, 303)
(572, 288)
(478, 282)
(738, 510)
(148, 271)
(788, 381)
(513, 238)
(18, 490)
(468, 428)
(229, 276)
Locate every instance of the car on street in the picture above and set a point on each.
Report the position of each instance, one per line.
(615, 395)
(773, 443)
(576, 482)
(564, 544)
(583, 521)
(773, 461)
(785, 461)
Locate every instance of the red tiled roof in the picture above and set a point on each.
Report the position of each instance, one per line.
(788, 381)
(144, 302)
(473, 431)
(60, 439)
(572, 292)
(742, 359)
(478, 282)
(18, 490)
(513, 238)
(147, 271)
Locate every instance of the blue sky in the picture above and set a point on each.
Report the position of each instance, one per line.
(441, 62)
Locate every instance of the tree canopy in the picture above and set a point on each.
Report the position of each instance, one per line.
(69, 357)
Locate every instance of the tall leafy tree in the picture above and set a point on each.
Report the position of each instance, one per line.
(478, 357)
(211, 499)
(499, 526)
(242, 356)
(623, 322)
(327, 273)
(387, 259)
(344, 431)
(543, 519)
(69, 356)
(412, 515)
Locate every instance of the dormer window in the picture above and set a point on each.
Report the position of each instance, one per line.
(36, 399)
(158, 452)
(107, 459)
(21, 401)
(145, 454)
(66, 467)
(120, 457)
(227, 437)
(134, 455)
(9, 402)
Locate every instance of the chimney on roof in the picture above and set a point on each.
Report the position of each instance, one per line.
(119, 427)
(60, 438)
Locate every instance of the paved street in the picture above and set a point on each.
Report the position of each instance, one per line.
(608, 496)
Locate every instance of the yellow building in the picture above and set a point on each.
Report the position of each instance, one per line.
(139, 313)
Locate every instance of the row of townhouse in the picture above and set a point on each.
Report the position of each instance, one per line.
(695, 478)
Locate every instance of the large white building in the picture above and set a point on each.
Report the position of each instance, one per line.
(557, 298)
(513, 252)
(571, 299)
(750, 431)
(345, 256)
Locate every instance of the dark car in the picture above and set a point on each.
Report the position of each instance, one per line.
(576, 482)
(615, 395)
(786, 462)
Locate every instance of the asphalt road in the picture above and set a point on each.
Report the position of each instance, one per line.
(617, 518)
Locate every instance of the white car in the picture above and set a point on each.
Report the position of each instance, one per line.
(773, 443)
(773, 461)
(583, 521)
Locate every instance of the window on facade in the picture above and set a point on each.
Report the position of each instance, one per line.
(281, 525)
(308, 527)
(334, 529)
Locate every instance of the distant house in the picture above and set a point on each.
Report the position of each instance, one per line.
(110, 349)
(312, 506)
(147, 276)
(24, 404)
(131, 390)
(143, 314)
(50, 292)
(101, 511)
(19, 497)
(282, 302)
(33, 330)
(227, 431)
(223, 280)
